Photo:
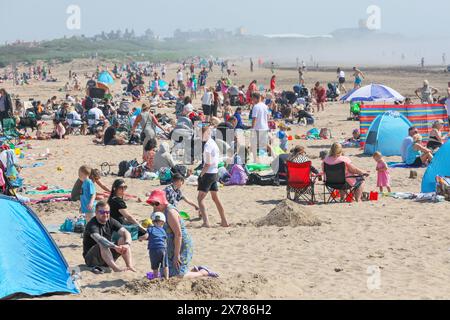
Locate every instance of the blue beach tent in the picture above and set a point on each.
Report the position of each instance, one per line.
(30, 261)
(105, 77)
(439, 166)
(386, 134)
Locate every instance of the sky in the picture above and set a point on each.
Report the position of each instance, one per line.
(46, 19)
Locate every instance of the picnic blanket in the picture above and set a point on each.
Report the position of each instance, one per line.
(397, 165)
(421, 116)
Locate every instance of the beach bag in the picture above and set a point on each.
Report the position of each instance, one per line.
(124, 166)
(258, 180)
(165, 176)
(80, 226)
(67, 226)
(238, 176)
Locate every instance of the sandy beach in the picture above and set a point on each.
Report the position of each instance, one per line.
(405, 242)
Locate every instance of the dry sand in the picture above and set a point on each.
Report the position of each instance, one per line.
(407, 241)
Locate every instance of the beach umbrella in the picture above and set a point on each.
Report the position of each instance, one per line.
(373, 93)
(106, 78)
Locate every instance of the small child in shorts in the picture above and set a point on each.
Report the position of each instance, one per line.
(157, 245)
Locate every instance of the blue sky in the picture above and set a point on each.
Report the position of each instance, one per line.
(46, 19)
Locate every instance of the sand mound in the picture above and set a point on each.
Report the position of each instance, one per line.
(47, 209)
(241, 286)
(288, 213)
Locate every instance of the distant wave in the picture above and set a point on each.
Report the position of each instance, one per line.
(296, 35)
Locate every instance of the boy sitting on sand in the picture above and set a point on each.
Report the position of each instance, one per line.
(157, 245)
(173, 192)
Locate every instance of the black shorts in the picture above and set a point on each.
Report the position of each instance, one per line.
(433, 145)
(158, 258)
(206, 109)
(94, 258)
(417, 163)
(341, 80)
(208, 183)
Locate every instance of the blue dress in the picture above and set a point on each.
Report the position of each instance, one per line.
(186, 251)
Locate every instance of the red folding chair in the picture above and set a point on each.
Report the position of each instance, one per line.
(300, 182)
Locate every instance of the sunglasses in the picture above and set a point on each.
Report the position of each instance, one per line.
(104, 212)
(155, 204)
(123, 187)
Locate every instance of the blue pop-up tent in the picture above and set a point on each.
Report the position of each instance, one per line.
(386, 134)
(30, 261)
(439, 166)
(105, 77)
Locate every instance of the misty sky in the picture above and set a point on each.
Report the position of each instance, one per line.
(46, 19)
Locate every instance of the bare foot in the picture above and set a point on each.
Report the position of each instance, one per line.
(225, 224)
(205, 225)
(132, 269)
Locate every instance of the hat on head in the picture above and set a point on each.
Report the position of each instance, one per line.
(158, 196)
(158, 216)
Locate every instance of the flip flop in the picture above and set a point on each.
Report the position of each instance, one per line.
(211, 274)
(97, 270)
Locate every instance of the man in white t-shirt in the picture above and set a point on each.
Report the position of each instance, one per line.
(208, 179)
(207, 101)
(180, 80)
(95, 116)
(260, 125)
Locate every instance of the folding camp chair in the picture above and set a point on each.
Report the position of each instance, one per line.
(336, 183)
(74, 129)
(10, 130)
(300, 182)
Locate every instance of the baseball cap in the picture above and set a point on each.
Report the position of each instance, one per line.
(158, 216)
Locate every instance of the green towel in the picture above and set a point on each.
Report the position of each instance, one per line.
(48, 192)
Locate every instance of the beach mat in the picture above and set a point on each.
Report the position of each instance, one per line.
(401, 165)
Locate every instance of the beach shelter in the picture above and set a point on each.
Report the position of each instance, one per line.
(105, 77)
(373, 93)
(386, 134)
(439, 166)
(30, 261)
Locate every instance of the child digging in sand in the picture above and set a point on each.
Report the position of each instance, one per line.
(157, 245)
(384, 178)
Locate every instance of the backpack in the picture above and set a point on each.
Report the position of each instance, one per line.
(124, 166)
(238, 176)
(165, 176)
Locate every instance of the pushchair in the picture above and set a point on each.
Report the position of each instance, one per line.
(333, 92)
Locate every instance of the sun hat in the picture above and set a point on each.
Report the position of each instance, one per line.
(158, 196)
(158, 216)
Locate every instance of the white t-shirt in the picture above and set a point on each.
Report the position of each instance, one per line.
(188, 109)
(76, 117)
(180, 76)
(207, 98)
(261, 114)
(342, 74)
(98, 115)
(211, 156)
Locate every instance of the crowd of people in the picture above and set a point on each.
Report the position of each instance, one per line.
(218, 124)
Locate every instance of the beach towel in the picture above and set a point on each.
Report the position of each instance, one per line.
(49, 192)
(35, 165)
(402, 165)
